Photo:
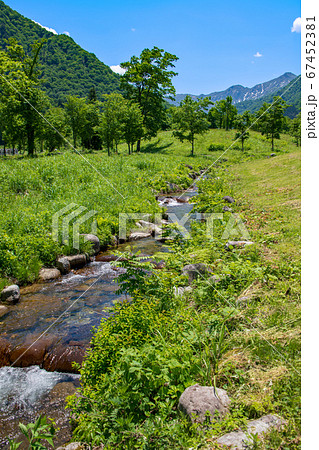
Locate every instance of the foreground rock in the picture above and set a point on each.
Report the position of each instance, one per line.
(94, 240)
(242, 440)
(238, 244)
(201, 403)
(63, 264)
(49, 274)
(193, 271)
(77, 261)
(46, 352)
(10, 294)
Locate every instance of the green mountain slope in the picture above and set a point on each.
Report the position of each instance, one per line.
(67, 68)
(290, 93)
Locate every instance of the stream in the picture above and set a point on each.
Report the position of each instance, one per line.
(57, 318)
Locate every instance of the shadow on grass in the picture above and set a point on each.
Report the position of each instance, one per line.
(154, 147)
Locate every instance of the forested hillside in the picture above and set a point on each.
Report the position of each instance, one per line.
(290, 93)
(67, 68)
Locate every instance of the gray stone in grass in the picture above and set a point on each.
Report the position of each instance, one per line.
(10, 294)
(242, 440)
(200, 403)
(229, 199)
(227, 209)
(238, 244)
(193, 271)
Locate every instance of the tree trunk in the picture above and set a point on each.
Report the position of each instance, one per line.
(4, 150)
(272, 142)
(129, 149)
(242, 144)
(192, 147)
(30, 140)
(138, 147)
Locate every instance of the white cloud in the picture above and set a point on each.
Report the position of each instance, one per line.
(52, 30)
(296, 26)
(118, 69)
(133, 29)
(258, 55)
(66, 32)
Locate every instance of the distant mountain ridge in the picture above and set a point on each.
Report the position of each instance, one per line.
(240, 93)
(68, 69)
(291, 93)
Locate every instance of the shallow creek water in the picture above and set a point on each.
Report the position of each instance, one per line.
(59, 316)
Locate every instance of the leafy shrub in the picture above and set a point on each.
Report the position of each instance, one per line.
(216, 147)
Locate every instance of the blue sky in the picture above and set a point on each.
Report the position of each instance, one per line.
(215, 40)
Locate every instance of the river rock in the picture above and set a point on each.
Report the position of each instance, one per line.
(74, 446)
(94, 240)
(199, 402)
(237, 244)
(5, 349)
(227, 209)
(137, 235)
(193, 271)
(3, 310)
(63, 264)
(272, 155)
(10, 294)
(61, 358)
(228, 199)
(32, 352)
(242, 440)
(190, 167)
(77, 261)
(149, 227)
(49, 274)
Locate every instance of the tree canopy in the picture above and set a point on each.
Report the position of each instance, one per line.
(146, 81)
(190, 118)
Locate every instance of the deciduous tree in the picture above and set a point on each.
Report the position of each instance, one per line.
(190, 119)
(146, 81)
(271, 119)
(241, 123)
